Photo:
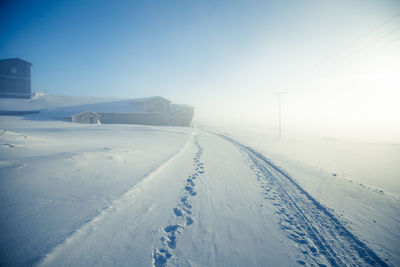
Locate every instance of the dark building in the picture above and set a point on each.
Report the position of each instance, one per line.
(15, 78)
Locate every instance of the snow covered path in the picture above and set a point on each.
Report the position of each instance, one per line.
(195, 210)
(228, 207)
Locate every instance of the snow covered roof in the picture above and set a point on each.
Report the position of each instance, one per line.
(40, 101)
(115, 106)
(182, 105)
(121, 106)
(118, 106)
(53, 106)
(73, 103)
(176, 107)
(148, 99)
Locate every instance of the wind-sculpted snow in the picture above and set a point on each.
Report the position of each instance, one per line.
(105, 219)
(182, 214)
(321, 239)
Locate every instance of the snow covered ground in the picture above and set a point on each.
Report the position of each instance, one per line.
(359, 182)
(57, 176)
(106, 195)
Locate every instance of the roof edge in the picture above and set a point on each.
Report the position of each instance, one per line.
(86, 111)
(145, 99)
(16, 58)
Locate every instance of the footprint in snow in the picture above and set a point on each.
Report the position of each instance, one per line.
(178, 212)
(184, 201)
(189, 220)
(190, 181)
(160, 257)
(190, 190)
(182, 213)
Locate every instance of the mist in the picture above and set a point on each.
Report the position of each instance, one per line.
(336, 62)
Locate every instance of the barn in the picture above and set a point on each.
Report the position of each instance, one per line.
(145, 111)
(15, 78)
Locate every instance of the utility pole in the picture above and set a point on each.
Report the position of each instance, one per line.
(280, 111)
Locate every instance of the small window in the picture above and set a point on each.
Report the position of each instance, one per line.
(13, 70)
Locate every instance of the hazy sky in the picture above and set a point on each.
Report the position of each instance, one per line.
(338, 61)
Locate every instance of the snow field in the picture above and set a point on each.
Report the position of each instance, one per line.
(62, 176)
(106, 195)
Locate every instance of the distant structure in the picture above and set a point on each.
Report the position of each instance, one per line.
(15, 78)
(87, 116)
(145, 111)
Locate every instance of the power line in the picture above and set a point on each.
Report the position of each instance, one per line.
(352, 43)
(368, 45)
(337, 53)
(317, 68)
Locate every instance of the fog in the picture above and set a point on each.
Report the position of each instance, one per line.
(349, 88)
(337, 63)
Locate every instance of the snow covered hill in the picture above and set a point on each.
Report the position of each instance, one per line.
(125, 195)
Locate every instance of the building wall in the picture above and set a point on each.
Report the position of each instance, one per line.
(136, 118)
(15, 79)
(15, 88)
(182, 117)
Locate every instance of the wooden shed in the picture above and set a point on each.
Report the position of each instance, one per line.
(87, 116)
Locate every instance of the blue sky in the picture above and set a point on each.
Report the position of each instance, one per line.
(86, 47)
(224, 57)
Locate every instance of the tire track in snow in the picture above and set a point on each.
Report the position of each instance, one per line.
(182, 214)
(319, 235)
